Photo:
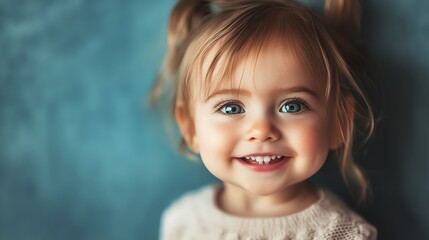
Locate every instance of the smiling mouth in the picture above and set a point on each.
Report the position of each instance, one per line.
(263, 159)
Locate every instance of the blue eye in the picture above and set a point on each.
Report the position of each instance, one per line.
(292, 107)
(231, 108)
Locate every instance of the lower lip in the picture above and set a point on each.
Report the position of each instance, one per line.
(263, 167)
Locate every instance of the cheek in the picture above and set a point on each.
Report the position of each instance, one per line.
(315, 139)
(216, 142)
(310, 141)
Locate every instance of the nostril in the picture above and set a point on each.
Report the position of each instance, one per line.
(263, 133)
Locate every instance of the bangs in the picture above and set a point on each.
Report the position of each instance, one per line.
(241, 35)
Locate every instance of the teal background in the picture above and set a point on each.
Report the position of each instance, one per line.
(83, 157)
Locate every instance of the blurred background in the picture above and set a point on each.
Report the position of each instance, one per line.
(83, 157)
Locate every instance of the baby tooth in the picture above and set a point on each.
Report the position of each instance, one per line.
(259, 159)
(273, 157)
(252, 157)
(267, 159)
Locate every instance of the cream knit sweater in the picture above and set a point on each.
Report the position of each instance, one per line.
(196, 216)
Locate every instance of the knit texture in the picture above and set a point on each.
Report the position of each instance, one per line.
(196, 216)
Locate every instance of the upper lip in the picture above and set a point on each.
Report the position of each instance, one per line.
(263, 155)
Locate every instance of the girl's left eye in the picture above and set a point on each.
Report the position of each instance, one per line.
(292, 107)
(231, 108)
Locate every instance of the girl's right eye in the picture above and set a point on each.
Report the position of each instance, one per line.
(231, 108)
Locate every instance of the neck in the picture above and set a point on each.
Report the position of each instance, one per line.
(237, 201)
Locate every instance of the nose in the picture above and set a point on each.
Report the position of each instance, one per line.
(263, 130)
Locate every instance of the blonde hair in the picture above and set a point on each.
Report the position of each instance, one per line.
(229, 30)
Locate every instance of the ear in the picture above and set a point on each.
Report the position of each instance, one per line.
(186, 127)
(344, 122)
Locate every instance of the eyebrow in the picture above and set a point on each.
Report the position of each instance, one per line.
(296, 90)
(230, 91)
(237, 91)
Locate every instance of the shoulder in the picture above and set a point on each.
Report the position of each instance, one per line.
(341, 222)
(188, 210)
(190, 201)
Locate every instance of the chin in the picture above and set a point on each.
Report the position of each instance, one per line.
(262, 189)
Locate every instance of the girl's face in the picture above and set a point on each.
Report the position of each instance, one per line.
(267, 130)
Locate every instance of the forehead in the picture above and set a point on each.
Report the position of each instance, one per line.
(256, 68)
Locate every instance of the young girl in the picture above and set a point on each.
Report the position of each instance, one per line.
(263, 91)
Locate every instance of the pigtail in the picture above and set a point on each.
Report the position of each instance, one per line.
(344, 16)
(186, 16)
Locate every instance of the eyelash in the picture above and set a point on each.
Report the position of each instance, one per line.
(296, 101)
(219, 105)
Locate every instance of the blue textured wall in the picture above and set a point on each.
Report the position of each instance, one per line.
(397, 35)
(82, 157)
